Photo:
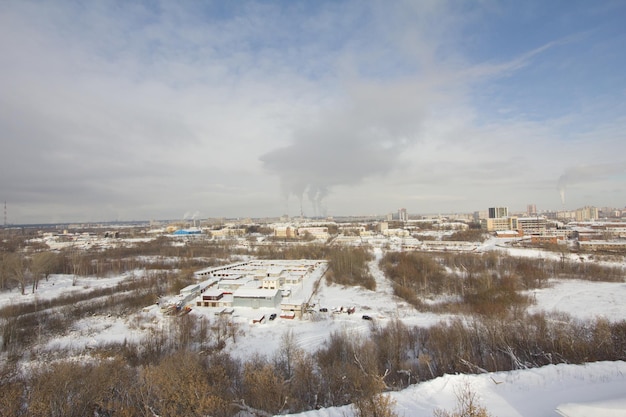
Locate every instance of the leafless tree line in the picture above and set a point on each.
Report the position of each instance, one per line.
(25, 268)
(488, 284)
(347, 265)
(184, 372)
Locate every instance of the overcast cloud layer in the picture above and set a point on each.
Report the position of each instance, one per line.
(144, 110)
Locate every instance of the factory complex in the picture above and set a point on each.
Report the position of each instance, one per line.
(287, 285)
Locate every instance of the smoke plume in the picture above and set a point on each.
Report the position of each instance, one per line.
(363, 138)
(587, 173)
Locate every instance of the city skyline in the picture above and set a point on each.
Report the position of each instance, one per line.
(194, 220)
(133, 110)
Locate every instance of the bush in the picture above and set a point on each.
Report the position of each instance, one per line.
(380, 405)
(348, 266)
(467, 405)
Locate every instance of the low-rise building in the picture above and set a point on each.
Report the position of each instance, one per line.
(499, 224)
(320, 233)
(532, 225)
(292, 309)
(213, 297)
(603, 246)
(282, 231)
(256, 298)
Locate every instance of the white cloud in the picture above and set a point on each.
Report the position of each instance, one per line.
(149, 111)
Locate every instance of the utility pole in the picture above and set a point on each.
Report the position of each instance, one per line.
(5, 214)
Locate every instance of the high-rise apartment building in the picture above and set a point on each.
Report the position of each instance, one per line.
(498, 212)
(402, 215)
(586, 214)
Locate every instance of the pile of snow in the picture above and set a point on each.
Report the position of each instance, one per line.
(595, 389)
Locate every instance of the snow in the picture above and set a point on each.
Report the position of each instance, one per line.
(57, 286)
(582, 299)
(594, 389)
(97, 331)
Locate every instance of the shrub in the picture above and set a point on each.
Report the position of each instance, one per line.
(379, 405)
(467, 404)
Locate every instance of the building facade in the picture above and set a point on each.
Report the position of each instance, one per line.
(499, 224)
(498, 212)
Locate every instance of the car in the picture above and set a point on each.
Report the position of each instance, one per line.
(323, 310)
(272, 316)
(366, 317)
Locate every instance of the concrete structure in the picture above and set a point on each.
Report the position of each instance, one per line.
(261, 284)
(234, 282)
(270, 283)
(586, 214)
(532, 225)
(292, 310)
(287, 232)
(213, 297)
(228, 232)
(543, 239)
(499, 224)
(256, 298)
(449, 245)
(507, 234)
(396, 232)
(220, 271)
(603, 246)
(498, 212)
(320, 233)
(402, 215)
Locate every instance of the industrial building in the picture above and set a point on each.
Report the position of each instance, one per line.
(532, 225)
(284, 284)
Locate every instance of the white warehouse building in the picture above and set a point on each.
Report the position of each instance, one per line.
(256, 297)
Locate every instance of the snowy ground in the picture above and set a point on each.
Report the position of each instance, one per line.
(597, 389)
(591, 390)
(57, 286)
(582, 299)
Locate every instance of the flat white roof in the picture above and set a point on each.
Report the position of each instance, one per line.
(254, 292)
(190, 288)
(213, 292)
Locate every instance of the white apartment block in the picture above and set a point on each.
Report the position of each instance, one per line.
(586, 214)
(532, 225)
(499, 224)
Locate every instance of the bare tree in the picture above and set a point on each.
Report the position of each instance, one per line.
(467, 404)
(287, 354)
(181, 386)
(262, 386)
(17, 269)
(43, 264)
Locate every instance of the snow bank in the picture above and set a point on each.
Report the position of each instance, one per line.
(594, 389)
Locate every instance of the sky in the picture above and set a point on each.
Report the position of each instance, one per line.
(131, 110)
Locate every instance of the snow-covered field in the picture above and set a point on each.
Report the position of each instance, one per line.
(591, 390)
(596, 389)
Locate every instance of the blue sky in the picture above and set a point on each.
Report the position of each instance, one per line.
(153, 110)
